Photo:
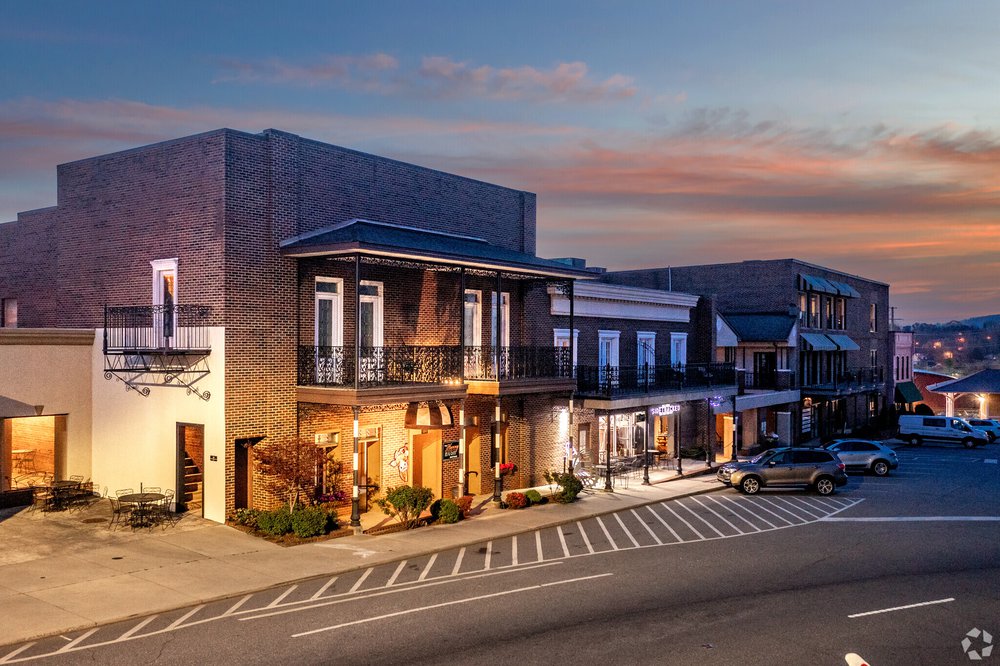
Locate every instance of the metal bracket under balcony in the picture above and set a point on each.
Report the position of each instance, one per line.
(157, 346)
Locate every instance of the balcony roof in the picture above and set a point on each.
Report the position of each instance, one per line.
(409, 243)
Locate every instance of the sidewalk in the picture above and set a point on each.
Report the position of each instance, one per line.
(65, 572)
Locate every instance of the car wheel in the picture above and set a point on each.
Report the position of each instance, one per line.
(880, 468)
(750, 485)
(915, 440)
(969, 443)
(825, 485)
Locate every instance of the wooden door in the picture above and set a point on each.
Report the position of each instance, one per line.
(425, 456)
(474, 461)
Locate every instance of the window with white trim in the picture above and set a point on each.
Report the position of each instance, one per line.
(560, 338)
(645, 348)
(678, 348)
(504, 320)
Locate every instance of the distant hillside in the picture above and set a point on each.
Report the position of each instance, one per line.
(986, 321)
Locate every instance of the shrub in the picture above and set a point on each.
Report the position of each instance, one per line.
(534, 496)
(448, 512)
(247, 517)
(464, 504)
(309, 522)
(569, 486)
(516, 500)
(275, 523)
(406, 503)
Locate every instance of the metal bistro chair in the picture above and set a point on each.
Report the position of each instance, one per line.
(124, 491)
(120, 513)
(41, 497)
(162, 508)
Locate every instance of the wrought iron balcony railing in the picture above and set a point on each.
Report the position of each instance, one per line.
(156, 328)
(853, 380)
(611, 380)
(387, 366)
(765, 381)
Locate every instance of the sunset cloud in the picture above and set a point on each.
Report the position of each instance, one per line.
(436, 76)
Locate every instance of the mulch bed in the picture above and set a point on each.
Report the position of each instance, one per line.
(290, 539)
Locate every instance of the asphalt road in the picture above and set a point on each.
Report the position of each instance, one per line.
(786, 577)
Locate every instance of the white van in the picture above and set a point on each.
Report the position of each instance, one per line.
(916, 429)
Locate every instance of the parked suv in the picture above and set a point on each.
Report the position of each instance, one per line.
(990, 426)
(915, 429)
(816, 468)
(865, 454)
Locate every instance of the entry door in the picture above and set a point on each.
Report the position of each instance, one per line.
(474, 461)
(765, 367)
(190, 467)
(425, 456)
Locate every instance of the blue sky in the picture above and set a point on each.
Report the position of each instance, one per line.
(864, 136)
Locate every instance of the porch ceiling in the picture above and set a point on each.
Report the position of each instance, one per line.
(380, 395)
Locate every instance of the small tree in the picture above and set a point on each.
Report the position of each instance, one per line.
(406, 503)
(289, 468)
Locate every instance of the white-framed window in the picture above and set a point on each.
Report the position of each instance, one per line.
(873, 318)
(328, 468)
(560, 338)
(329, 330)
(504, 319)
(8, 314)
(646, 349)
(473, 313)
(607, 356)
(678, 348)
(165, 299)
(370, 328)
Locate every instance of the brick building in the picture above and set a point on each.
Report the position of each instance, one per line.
(259, 288)
(844, 349)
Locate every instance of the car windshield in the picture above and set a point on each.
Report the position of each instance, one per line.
(761, 457)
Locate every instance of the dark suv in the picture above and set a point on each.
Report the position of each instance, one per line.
(816, 468)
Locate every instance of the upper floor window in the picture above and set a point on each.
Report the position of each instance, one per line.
(873, 318)
(164, 300)
(802, 306)
(370, 324)
(874, 358)
(813, 311)
(329, 312)
(678, 348)
(607, 348)
(646, 344)
(504, 319)
(561, 340)
(828, 312)
(8, 315)
(473, 313)
(840, 322)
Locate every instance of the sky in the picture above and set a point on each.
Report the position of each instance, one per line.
(863, 136)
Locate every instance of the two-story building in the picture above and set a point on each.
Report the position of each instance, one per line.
(248, 290)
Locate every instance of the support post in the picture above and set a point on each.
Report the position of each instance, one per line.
(645, 450)
(355, 494)
(357, 326)
(607, 456)
(677, 440)
(463, 482)
(461, 326)
(498, 449)
(736, 431)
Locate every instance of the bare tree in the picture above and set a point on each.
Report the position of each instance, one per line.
(288, 466)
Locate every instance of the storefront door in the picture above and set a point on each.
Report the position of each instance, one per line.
(425, 456)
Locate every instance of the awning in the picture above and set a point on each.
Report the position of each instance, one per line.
(845, 289)
(908, 392)
(819, 284)
(843, 342)
(818, 342)
(10, 408)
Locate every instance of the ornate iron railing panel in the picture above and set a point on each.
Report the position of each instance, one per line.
(766, 381)
(150, 328)
(521, 362)
(611, 380)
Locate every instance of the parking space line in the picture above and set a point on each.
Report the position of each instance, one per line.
(489, 555)
(759, 505)
(179, 621)
(665, 524)
(234, 607)
(427, 567)
(513, 550)
(784, 510)
(710, 525)
(282, 596)
(816, 503)
(736, 515)
(586, 539)
(361, 580)
(137, 627)
(10, 655)
(648, 528)
(618, 517)
(562, 541)
(388, 583)
(538, 545)
(458, 561)
(614, 546)
(316, 595)
(798, 507)
(723, 518)
(690, 526)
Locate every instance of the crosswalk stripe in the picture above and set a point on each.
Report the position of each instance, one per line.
(458, 562)
(737, 515)
(562, 540)
(428, 567)
(712, 527)
(798, 518)
(635, 544)
(665, 524)
(648, 528)
(360, 581)
(586, 539)
(607, 534)
(395, 574)
(678, 516)
(721, 517)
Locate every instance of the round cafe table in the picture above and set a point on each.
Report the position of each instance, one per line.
(142, 515)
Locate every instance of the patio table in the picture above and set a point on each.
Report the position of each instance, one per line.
(61, 493)
(142, 514)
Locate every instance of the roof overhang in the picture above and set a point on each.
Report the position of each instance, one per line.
(602, 299)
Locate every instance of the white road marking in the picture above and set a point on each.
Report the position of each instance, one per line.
(388, 583)
(360, 581)
(357, 550)
(79, 639)
(648, 528)
(538, 546)
(911, 519)
(797, 517)
(428, 566)
(604, 529)
(179, 621)
(800, 507)
(133, 630)
(445, 604)
(737, 515)
(723, 518)
(489, 555)
(618, 517)
(320, 591)
(665, 524)
(759, 505)
(990, 461)
(281, 597)
(13, 653)
(710, 525)
(458, 561)
(586, 539)
(678, 516)
(896, 608)
(854, 659)
(245, 599)
(562, 540)
(513, 550)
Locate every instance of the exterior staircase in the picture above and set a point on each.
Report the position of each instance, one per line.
(191, 495)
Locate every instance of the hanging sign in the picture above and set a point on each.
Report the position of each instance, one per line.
(449, 450)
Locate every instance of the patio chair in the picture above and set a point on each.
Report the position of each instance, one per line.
(41, 498)
(162, 508)
(76, 477)
(124, 491)
(151, 489)
(119, 512)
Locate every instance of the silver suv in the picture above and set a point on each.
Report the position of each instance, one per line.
(816, 468)
(865, 454)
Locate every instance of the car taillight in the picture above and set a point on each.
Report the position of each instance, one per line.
(841, 466)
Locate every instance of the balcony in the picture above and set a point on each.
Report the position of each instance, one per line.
(406, 365)
(614, 381)
(854, 381)
(765, 381)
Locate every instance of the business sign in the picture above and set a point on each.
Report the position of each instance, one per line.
(664, 410)
(449, 450)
